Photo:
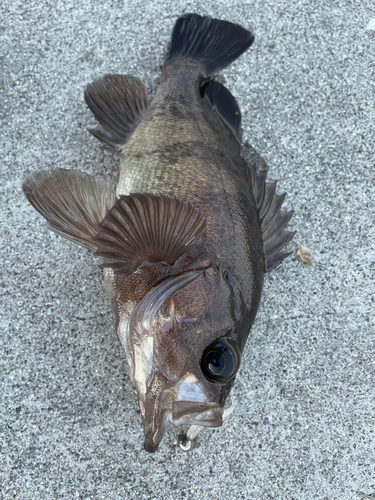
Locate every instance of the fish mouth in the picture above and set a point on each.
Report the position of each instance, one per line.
(207, 414)
(183, 413)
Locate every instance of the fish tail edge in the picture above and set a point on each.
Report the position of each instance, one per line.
(212, 43)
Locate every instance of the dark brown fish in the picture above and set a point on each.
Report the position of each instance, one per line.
(188, 234)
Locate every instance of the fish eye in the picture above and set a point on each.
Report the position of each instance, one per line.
(220, 361)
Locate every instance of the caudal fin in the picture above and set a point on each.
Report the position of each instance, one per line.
(212, 43)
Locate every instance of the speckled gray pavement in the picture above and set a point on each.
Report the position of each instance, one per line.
(304, 420)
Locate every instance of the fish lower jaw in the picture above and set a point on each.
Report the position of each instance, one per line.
(206, 419)
(191, 413)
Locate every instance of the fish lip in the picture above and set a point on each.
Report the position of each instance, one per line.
(205, 414)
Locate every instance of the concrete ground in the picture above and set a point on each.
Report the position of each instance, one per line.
(304, 420)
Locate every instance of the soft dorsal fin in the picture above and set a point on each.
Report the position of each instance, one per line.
(273, 220)
(118, 103)
(225, 106)
(73, 203)
(147, 228)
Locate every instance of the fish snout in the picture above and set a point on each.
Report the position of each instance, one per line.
(161, 412)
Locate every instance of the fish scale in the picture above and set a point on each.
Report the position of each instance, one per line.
(210, 176)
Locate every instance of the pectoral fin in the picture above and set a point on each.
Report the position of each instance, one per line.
(273, 220)
(73, 203)
(118, 103)
(147, 228)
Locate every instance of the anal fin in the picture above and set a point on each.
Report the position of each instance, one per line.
(118, 103)
(273, 220)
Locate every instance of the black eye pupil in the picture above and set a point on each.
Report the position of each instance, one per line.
(221, 360)
(215, 362)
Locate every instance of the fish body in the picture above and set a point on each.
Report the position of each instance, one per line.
(188, 234)
(198, 158)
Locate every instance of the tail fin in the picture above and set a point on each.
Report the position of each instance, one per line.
(212, 43)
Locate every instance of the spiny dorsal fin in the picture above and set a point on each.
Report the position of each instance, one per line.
(118, 103)
(273, 220)
(147, 227)
(73, 203)
(225, 106)
(212, 43)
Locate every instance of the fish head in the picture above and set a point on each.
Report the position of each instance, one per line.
(183, 351)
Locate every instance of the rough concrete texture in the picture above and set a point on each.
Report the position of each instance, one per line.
(303, 425)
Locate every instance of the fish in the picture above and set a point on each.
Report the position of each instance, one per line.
(188, 234)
